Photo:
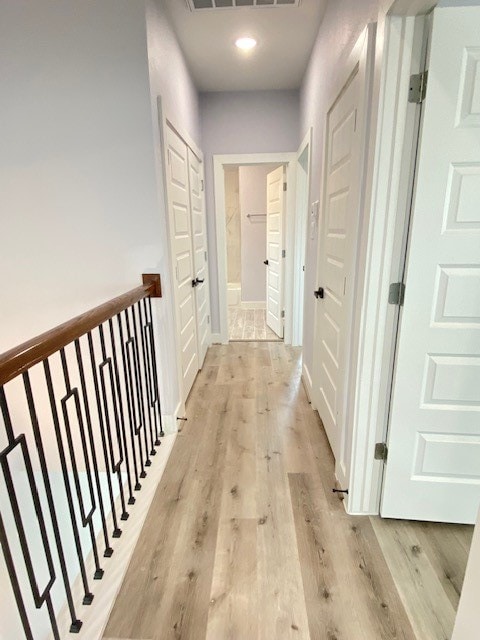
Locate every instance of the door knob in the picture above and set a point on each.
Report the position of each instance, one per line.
(265, 262)
(199, 281)
(194, 283)
(319, 293)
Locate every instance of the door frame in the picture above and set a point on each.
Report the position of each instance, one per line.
(164, 121)
(219, 161)
(383, 242)
(301, 227)
(359, 61)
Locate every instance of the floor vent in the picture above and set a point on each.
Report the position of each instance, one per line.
(198, 5)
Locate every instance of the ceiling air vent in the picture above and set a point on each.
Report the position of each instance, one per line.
(198, 5)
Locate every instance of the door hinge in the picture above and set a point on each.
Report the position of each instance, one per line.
(418, 87)
(284, 186)
(396, 293)
(283, 314)
(203, 185)
(284, 253)
(208, 319)
(205, 256)
(381, 451)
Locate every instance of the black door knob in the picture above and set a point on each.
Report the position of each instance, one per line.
(199, 281)
(319, 293)
(194, 283)
(265, 262)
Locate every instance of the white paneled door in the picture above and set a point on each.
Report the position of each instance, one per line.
(182, 256)
(199, 239)
(336, 262)
(275, 270)
(433, 466)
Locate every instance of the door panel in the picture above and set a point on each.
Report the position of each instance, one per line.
(337, 252)
(202, 297)
(433, 466)
(183, 259)
(275, 224)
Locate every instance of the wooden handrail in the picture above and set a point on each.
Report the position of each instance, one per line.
(19, 359)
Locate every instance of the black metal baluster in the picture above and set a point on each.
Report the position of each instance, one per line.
(87, 518)
(117, 532)
(88, 595)
(76, 624)
(130, 407)
(108, 549)
(146, 377)
(156, 397)
(134, 390)
(7, 554)
(116, 466)
(141, 397)
(3, 534)
(121, 413)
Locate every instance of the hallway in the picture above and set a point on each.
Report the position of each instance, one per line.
(245, 539)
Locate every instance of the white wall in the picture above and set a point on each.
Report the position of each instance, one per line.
(82, 213)
(253, 199)
(169, 74)
(242, 122)
(343, 23)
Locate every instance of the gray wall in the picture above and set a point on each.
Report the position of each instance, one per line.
(343, 22)
(242, 122)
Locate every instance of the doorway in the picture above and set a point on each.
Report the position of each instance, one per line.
(256, 245)
(251, 275)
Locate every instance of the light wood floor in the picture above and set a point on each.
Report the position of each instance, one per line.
(249, 324)
(245, 540)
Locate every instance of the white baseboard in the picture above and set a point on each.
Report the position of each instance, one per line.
(169, 421)
(307, 383)
(217, 339)
(253, 305)
(95, 616)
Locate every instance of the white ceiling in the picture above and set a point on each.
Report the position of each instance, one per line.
(285, 37)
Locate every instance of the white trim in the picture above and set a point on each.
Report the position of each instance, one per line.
(307, 383)
(169, 422)
(380, 260)
(253, 305)
(301, 228)
(217, 339)
(219, 161)
(165, 121)
(360, 61)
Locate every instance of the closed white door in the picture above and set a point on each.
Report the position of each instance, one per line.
(433, 465)
(182, 256)
(275, 226)
(336, 262)
(199, 237)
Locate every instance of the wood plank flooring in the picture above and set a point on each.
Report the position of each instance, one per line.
(249, 324)
(245, 540)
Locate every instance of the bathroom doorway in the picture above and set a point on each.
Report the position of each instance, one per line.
(254, 219)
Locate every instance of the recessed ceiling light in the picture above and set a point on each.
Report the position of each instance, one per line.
(245, 44)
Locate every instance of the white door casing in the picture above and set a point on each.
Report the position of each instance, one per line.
(275, 245)
(336, 261)
(199, 239)
(177, 170)
(433, 466)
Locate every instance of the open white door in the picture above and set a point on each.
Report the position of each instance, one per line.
(433, 466)
(199, 232)
(182, 255)
(275, 226)
(336, 260)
